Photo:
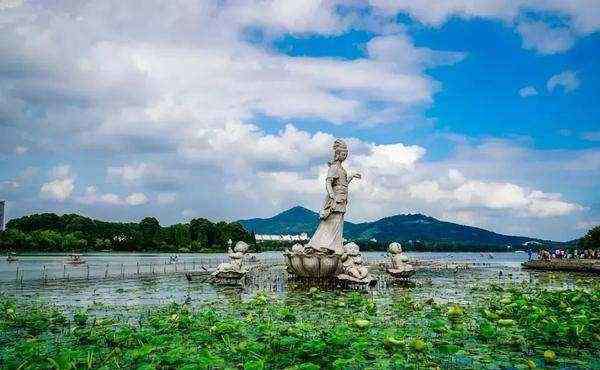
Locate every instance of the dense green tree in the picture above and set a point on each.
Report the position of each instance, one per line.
(204, 232)
(592, 238)
(71, 232)
(43, 221)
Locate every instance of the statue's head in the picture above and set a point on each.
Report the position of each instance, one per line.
(395, 248)
(241, 247)
(298, 248)
(340, 150)
(352, 249)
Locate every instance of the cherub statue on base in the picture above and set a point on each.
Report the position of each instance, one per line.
(399, 267)
(353, 268)
(236, 265)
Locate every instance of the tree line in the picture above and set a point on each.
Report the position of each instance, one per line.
(49, 232)
(591, 240)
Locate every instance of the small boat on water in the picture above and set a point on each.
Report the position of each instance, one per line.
(12, 257)
(173, 258)
(76, 259)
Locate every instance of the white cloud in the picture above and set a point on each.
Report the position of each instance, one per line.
(568, 80)
(544, 39)
(61, 171)
(92, 196)
(591, 136)
(493, 195)
(582, 17)
(166, 198)
(61, 188)
(291, 15)
(136, 199)
(180, 87)
(527, 91)
(58, 190)
(7, 4)
(389, 159)
(20, 150)
(9, 185)
(131, 174)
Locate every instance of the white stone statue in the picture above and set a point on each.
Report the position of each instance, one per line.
(399, 268)
(352, 263)
(328, 237)
(236, 265)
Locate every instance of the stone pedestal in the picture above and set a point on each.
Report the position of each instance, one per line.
(310, 263)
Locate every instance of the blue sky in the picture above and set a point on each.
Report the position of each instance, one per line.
(479, 113)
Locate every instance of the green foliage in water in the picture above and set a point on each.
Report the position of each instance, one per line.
(506, 328)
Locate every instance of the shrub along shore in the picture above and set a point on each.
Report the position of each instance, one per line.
(514, 327)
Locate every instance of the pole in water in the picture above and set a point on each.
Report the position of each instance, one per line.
(87, 275)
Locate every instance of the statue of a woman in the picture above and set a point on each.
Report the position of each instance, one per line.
(328, 237)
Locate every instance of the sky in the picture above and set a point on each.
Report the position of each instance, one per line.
(483, 113)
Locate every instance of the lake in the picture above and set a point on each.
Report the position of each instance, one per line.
(134, 280)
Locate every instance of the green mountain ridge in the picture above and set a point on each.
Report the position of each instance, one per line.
(403, 228)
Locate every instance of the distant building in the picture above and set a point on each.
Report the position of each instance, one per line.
(285, 238)
(2, 214)
(532, 243)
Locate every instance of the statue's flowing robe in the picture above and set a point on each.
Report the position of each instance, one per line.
(329, 233)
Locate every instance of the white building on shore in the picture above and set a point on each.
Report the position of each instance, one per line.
(282, 238)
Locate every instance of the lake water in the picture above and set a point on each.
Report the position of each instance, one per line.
(132, 280)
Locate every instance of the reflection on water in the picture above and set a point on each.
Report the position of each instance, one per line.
(134, 281)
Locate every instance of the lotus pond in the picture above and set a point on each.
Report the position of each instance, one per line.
(480, 318)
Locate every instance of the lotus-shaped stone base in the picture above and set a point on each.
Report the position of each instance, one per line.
(404, 272)
(353, 280)
(310, 263)
(228, 277)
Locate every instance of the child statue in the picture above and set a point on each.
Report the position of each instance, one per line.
(353, 268)
(236, 256)
(399, 267)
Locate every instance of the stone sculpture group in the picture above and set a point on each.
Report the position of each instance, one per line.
(325, 255)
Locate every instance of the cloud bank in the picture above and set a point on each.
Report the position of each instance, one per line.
(158, 106)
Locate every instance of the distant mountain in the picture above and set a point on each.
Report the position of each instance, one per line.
(294, 221)
(395, 228)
